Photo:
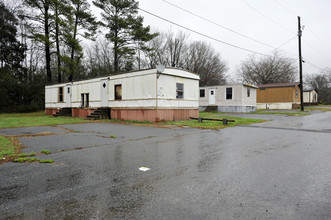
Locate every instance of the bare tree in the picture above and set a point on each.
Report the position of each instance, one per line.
(321, 82)
(202, 59)
(175, 50)
(168, 49)
(268, 69)
(99, 59)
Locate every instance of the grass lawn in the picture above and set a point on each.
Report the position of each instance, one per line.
(13, 120)
(320, 108)
(290, 113)
(214, 124)
(6, 147)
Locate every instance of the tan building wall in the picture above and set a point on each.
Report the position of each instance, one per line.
(280, 94)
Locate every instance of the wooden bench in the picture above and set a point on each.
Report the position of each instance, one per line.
(225, 120)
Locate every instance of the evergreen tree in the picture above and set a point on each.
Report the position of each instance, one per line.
(11, 56)
(41, 33)
(125, 30)
(60, 8)
(78, 17)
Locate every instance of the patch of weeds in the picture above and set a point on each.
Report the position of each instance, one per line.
(33, 159)
(78, 131)
(25, 159)
(32, 154)
(112, 136)
(11, 156)
(21, 159)
(23, 155)
(45, 152)
(130, 122)
(46, 161)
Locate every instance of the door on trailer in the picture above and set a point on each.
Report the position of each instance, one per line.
(68, 93)
(104, 92)
(211, 96)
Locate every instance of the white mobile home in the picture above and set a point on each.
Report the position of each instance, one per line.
(229, 98)
(172, 94)
(310, 97)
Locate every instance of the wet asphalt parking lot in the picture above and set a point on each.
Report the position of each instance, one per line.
(278, 169)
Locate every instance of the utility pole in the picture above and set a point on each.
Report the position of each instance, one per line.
(300, 63)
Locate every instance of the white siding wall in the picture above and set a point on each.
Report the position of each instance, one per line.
(249, 101)
(239, 96)
(167, 92)
(92, 87)
(309, 96)
(137, 91)
(52, 96)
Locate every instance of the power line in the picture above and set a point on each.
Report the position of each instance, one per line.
(223, 42)
(286, 42)
(286, 8)
(229, 29)
(316, 50)
(309, 63)
(282, 25)
(264, 15)
(315, 35)
(204, 35)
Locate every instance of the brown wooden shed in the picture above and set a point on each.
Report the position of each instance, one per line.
(278, 96)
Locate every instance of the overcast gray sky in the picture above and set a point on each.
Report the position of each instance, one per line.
(273, 23)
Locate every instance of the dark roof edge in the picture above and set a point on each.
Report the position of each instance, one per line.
(120, 73)
(277, 85)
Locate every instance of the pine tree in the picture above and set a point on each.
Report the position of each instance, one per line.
(60, 8)
(11, 56)
(42, 32)
(125, 30)
(78, 18)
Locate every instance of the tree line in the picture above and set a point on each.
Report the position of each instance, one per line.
(44, 42)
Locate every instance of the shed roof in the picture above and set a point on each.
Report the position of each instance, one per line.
(168, 71)
(229, 85)
(309, 90)
(277, 85)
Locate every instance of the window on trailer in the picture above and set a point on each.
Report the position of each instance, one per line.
(296, 92)
(61, 94)
(248, 92)
(179, 90)
(118, 92)
(202, 93)
(229, 93)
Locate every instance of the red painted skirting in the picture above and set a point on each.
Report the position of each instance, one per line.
(138, 114)
(80, 112)
(51, 111)
(154, 115)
